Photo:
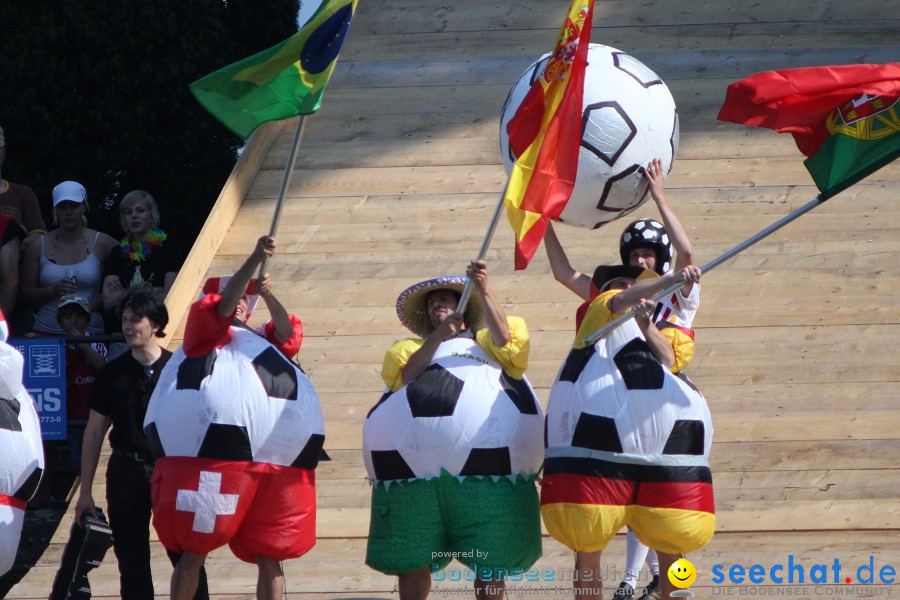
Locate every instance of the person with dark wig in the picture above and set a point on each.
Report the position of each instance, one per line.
(119, 399)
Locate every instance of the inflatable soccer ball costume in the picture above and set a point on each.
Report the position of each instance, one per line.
(21, 452)
(628, 443)
(454, 454)
(237, 431)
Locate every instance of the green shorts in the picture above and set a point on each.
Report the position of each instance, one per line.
(482, 523)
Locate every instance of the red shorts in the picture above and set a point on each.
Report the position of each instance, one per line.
(201, 504)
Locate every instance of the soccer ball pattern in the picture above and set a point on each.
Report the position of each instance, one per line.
(647, 232)
(245, 401)
(615, 396)
(628, 118)
(462, 415)
(21, 453)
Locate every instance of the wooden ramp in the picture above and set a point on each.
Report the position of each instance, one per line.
(398, 175)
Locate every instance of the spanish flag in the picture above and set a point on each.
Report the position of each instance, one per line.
(284, 81)
(545, 135)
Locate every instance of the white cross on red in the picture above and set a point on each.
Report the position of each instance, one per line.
(207, 502)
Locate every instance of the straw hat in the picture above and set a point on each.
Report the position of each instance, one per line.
(413, 312)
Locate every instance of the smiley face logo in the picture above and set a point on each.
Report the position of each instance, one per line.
(682, 573)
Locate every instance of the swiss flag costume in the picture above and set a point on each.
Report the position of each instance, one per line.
(237, 431)
(21, 453)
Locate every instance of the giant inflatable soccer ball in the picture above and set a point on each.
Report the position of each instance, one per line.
(21, 453)
(245, 401)
(462, 415)
(628, 119)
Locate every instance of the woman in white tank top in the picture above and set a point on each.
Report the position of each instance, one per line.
(68, 260)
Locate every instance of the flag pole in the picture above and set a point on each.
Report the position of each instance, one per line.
(591, 339)
(488, 236)
(285, 184)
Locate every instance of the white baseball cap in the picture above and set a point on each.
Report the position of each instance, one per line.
(69, 191)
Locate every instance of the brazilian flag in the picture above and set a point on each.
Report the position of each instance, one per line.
(283, 81)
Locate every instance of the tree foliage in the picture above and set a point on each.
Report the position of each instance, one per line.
(98, 92)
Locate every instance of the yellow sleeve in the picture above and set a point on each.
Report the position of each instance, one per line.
(683, 346)
(513, 356)
(597, 315)
(395, 359)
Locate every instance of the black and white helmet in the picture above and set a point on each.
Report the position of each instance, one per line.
(647, 233)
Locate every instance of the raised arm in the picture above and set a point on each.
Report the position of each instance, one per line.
(284, 329)
(237, 285)
(684, 252)
(493, 311)
(578, 282)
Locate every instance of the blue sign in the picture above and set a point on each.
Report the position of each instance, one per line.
(44, 376)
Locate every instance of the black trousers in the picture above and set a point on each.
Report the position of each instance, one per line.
(128, 509)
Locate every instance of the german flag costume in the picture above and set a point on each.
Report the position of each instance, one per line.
(628, 443)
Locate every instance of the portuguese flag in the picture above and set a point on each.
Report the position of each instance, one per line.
(845, 119)
(284, 81)
(545, 134)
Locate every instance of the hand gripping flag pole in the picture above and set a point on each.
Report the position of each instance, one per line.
(712, 264)
(492, 227)
(845, 119)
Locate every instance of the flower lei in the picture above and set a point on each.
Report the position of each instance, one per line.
(139, 250)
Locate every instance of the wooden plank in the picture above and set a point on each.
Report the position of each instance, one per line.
(420, 128)
(386, 16)
(482, 99)
(369, 151)
(430, 134)
(483, 179)
(631, 37)
(734, 64)
(725, 201)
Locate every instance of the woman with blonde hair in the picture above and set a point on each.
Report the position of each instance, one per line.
(67, 260)
(145, 258)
